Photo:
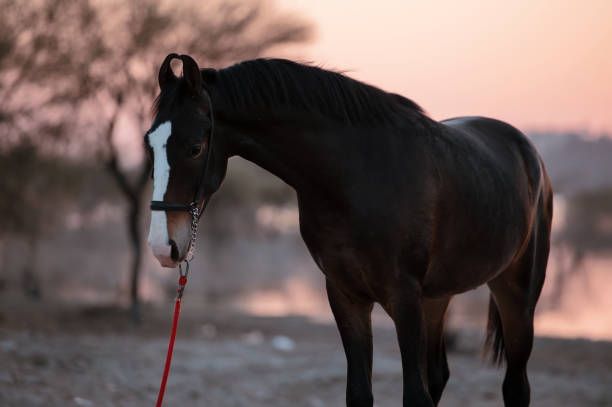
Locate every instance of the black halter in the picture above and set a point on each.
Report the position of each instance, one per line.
(192, 207)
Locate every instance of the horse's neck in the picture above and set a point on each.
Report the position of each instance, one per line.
(301, 154)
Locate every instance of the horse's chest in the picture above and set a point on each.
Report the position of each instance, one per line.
(341, 253)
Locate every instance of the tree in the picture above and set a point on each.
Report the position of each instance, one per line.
(36, 192)
(40, 79)
(99, 59)
(219, 33)
(38, 53)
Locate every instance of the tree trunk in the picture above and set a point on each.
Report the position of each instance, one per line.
(30, 281)
(135, 235)
(133, 193)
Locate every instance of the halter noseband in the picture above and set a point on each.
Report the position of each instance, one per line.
(170, 207)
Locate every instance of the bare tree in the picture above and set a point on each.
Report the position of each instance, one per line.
(44, 47)
(38, 191)
(39, 54)
(218, 33)
(102, 57)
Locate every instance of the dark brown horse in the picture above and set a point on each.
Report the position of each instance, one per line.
(395, 207)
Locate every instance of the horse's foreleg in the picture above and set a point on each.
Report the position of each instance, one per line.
(437, 366)
(354, 323)
(406, 310)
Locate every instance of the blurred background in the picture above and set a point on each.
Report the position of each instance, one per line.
(84, 306)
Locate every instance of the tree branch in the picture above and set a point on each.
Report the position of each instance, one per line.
(112, 161)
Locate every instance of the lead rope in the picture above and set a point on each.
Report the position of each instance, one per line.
(182, 282)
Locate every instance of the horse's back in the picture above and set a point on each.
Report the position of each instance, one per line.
(502, 138)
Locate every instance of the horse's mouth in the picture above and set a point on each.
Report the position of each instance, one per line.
(178, 254)
(169, 264)
(174, 252)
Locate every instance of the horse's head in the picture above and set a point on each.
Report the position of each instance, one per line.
(188, 163)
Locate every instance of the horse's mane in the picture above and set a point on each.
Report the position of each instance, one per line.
(279, 83)
(275, 84)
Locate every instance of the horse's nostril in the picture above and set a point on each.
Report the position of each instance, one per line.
(174, 254)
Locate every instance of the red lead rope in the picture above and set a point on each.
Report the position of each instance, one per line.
(177, 310)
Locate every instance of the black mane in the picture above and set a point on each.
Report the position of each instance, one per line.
(279, 83)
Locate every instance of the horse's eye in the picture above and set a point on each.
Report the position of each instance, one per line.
(195, 150)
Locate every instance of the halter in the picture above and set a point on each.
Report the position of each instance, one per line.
(192, 207)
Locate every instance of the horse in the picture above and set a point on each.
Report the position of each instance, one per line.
(394, 207)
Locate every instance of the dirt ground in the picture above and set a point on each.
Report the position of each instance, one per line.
(67, 356)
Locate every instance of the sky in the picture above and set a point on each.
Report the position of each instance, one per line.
(539, 64)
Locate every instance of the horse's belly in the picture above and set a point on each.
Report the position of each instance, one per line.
(474, 245)
(454, 273)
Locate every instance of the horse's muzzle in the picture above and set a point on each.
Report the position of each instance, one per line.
(167, 255)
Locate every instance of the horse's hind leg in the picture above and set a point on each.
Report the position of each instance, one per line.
(437, 365)
(516, 292)
(516, 316)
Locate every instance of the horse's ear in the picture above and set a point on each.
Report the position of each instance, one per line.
(191, 73)
(166, 75)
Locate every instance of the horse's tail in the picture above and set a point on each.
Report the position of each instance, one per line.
(495, 339)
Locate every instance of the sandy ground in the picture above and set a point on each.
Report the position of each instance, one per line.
(64, 356)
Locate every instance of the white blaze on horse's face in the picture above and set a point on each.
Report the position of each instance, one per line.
(158, 232)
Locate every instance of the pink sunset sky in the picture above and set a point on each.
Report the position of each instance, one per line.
(540, 64)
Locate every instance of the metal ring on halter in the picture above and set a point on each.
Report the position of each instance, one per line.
(183, 273)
